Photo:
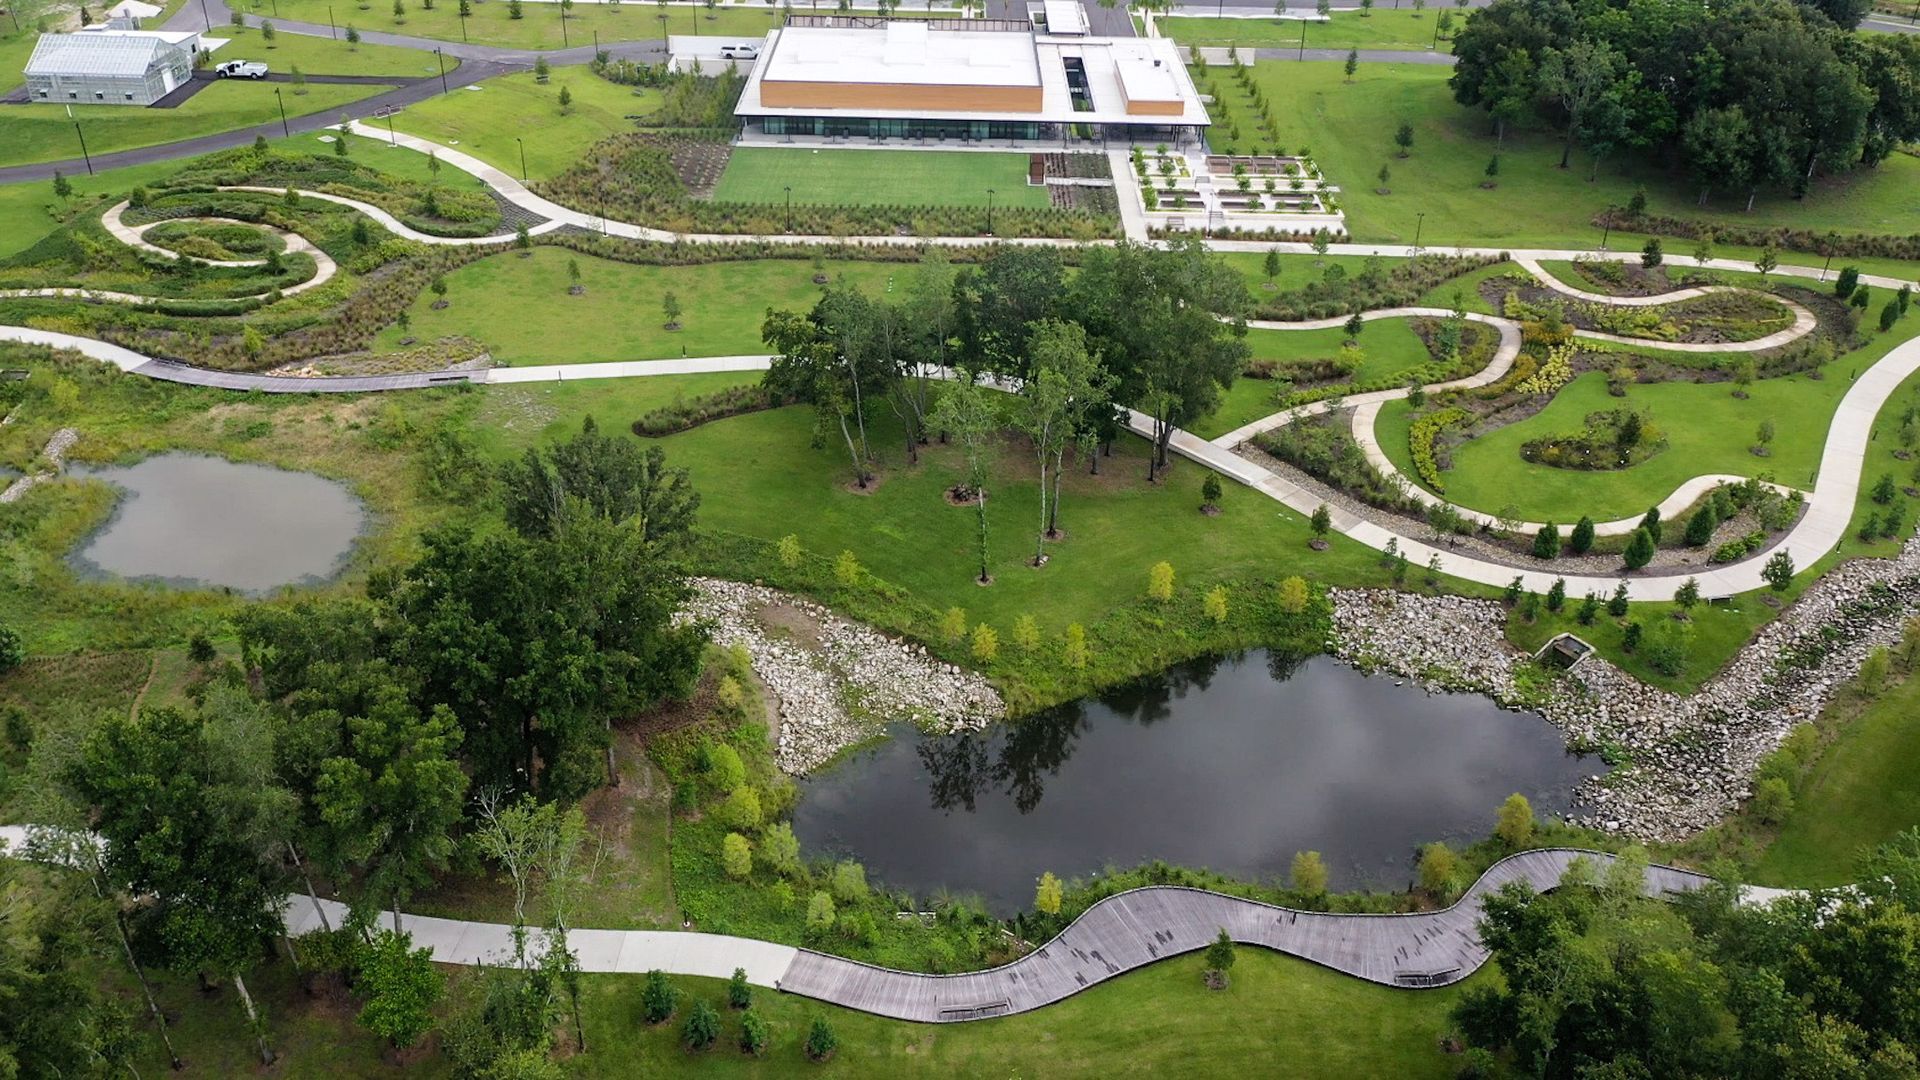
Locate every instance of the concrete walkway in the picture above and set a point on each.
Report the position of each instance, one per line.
(1121, 933)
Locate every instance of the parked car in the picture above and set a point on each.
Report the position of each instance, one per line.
(739, 51)
(241, 69)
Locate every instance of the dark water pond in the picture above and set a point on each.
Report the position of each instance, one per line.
(1232, 764)
(195, 521)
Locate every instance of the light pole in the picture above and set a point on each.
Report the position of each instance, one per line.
(789, 189)
(1419, 223)
(1435, 47)
(1303, 38)
(204, 17)
(523, 159)
(88, 158)
(989, 211)
(392, 139)
(285, 132)
(1606, 220)
(333, 32)
(564, 42)
(443, 69)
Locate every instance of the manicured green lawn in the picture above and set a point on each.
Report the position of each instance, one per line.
(1350, 128)
(1158, 1021)
(1864, 789)
(1708, 431)
(877, 177)
(42, 132)
(522, 309)
(1382, 29)
(492, 24)
(323, 56)
(487, 118)
(1295, 270)
(1390, 344)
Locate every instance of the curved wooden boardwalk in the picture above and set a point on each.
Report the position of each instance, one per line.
(1133, 929)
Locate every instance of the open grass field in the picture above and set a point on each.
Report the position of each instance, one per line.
(1350, 127)
(42, 132)
(323, 56)
(522, 309)
(540, 27)
(486, 118)
(1382, 29)
(1391, 347)
(761, 174)
(1158, 1021)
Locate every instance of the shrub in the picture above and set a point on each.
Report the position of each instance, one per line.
(821, 1041)
(1439, 868)
(1700, 527)
(1160, 582)
(1772, 800)
(820, 912)
(1210, 490)
(724, 770)
(1216, 603)
(687, 414)
(1220, 954)
(753, 1034)
(1779, 570)
(1293, 596)
(849, 881)
(736, 855)
(1580, 541)
(1046, 894)
(953, 625)
(1639, 549)
(657, 998)
(1074, 652)
(742, 808)
(985, 645)
(1557, 594)
(1514, 826)
(1667, 647)
(1546, 542)
(702, 1027)
(739, 991)
(790, 551)
(1420, 438)
(1309, 873)
(846, 570)
(780, 849)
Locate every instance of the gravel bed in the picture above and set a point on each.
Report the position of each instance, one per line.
(1686, 761)
(838, 682)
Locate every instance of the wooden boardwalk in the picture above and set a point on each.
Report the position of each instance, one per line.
(1136, 928)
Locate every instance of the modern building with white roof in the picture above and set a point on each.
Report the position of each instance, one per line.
(963, 81)
(110, 67)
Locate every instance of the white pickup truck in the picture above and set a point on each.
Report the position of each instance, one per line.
(241, 69)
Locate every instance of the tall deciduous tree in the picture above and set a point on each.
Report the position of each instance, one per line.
(610, 476)
(965, 411)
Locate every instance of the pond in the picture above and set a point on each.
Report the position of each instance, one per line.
(1231, 764)
(192, 521)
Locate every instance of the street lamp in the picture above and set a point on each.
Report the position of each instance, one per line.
(989, 211)
(523, 159)
(1419, 223)
(789, 189)
(88, 158)
(333, 32)
(1303, 37)
(285, 132)
(564, 42)
(1435, 47)
(392, 139)
(443, 69)
(1606, 219)
(463, 22)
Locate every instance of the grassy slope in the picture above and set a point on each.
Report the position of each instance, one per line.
(1383, 29)
(1157, 1021)
(322, 56)
(1862, 791)
(486, 122)
(521, 307)
(868, 177)
(42, 132)
(1350, 128)
(491, 23)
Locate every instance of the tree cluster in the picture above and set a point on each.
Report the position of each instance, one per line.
(1759, 94)
(1599, 981)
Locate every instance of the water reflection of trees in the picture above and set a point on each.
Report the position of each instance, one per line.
(965, 767)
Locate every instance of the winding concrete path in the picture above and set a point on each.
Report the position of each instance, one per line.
(1121, 933)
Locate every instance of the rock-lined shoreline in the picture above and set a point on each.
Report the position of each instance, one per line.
(56, 455)
(1691, 760)
(838, 681)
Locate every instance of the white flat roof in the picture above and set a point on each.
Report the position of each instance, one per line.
(903, 52)
(1065, 17)
(1117, 69)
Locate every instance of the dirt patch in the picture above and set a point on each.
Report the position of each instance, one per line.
(668, 716)
(698, 163)
(789, 621)
(961, 496)
(852, 487)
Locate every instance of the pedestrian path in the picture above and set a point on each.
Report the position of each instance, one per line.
(1118, 934)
